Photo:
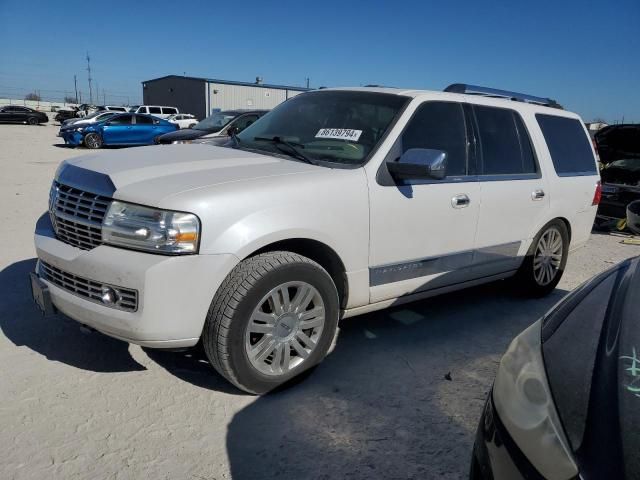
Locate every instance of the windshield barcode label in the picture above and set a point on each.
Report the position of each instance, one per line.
(339, 134)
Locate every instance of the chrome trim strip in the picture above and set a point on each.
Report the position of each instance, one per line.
(398, 272)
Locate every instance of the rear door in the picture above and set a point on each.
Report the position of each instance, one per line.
(118, 130)
(513, 193)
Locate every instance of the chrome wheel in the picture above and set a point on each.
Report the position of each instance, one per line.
(92, 141)
(285, 328)
(548, 256)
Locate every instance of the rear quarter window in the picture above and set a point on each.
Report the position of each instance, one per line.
(568, 145)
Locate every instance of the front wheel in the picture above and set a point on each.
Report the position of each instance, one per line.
(32, 121)
(545, 262)
(93, 141)
(274, 317)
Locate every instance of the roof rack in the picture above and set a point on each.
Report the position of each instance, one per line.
(495, 93)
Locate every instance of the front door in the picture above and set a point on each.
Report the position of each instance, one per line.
(423, 231)
(118, 130)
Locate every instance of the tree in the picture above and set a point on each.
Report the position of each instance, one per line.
(32, 96)
(70, 100)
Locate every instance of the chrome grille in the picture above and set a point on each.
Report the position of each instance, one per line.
(127, 299)
(77, 215)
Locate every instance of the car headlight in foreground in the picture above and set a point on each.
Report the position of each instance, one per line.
(523, 401)
(150, 229)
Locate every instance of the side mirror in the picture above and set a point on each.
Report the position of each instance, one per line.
(231, 131)
(419, 163)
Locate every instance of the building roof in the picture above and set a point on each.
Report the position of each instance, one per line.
(231, 82)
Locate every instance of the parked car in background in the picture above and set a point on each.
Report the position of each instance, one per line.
(155, 110)
(619, 151)
(112, 108)
(183, 120)
(18, 114)
(565, 401)
(73, 124)
(82, 119)
(337, 203)
(219, 124)
(120, 129)
(67, 114)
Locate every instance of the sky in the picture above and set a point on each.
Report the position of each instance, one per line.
(585, 55)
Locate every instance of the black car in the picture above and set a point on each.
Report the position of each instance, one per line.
(619, 150)
(565, 403)
(219, 124)
(64, 115)
(18, 114)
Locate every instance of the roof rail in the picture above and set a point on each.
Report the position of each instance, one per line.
(495, 93)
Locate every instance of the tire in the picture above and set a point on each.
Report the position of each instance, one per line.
(32, 121)
(92, 141)
(546, 259)
(192, 125)
(256, 345)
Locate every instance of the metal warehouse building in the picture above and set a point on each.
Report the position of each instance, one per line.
(202, 96)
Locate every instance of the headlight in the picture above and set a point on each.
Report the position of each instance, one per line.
(523, 401)
(80, 129)
(150, 229)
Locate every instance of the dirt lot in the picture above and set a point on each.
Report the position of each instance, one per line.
(76, 405)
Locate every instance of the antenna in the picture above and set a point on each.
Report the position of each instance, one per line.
(89, 75)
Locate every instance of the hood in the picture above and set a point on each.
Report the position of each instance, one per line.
(617, 142)
(184, 134)
(591, 349)
(147, 175)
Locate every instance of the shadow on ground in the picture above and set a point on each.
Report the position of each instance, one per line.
(379, 406)
(57, 338)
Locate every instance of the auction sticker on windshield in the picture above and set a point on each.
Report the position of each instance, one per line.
(339, 134)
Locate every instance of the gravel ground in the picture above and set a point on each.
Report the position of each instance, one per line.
(76, 405)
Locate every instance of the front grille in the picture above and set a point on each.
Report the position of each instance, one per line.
(126, 298)
(77, 215)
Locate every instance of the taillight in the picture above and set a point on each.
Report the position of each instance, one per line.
(597, 196)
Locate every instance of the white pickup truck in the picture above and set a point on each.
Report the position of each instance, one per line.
(336, 203)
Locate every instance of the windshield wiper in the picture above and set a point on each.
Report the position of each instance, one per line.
(292, 146)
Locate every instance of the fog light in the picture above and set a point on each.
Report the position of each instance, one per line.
(109, 296)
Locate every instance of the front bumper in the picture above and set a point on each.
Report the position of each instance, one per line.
(495, 455)
(174, 292)
(72, 138)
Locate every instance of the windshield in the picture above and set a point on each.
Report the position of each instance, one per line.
(103, 116)
(335, 126)
(215, 122)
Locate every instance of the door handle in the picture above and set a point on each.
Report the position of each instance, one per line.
(460, 201)
(537, 194)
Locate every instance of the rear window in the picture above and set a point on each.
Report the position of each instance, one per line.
(504, 142)
(169, 110)
(568, 145)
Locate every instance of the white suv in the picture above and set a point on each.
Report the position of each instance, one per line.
(336, 203)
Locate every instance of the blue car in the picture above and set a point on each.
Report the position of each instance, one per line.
(123, 129)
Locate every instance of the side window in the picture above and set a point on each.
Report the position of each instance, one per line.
(439, 126)
(141, 110)
(245, 121)
(142, 120)
(568, 145)
(121, 120)
(169, 110)
(504, 142)
(154, 110)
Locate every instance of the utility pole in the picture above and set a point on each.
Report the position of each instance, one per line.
(307, 82)
(75, 86)
(89, 75)
(104, 97)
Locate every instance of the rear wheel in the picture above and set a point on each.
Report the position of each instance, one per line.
(544, 264)
(274, 317)
(92, 141)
